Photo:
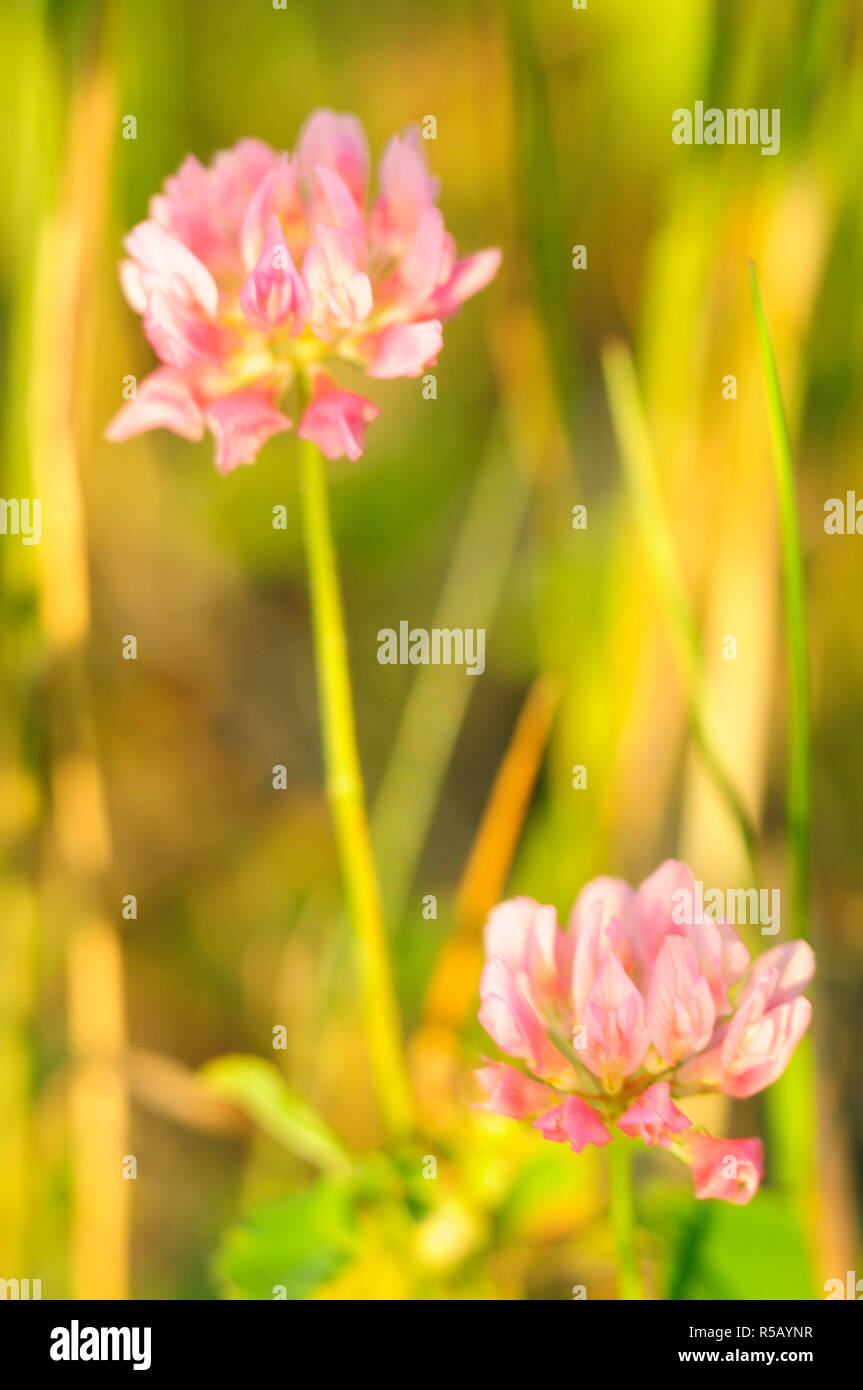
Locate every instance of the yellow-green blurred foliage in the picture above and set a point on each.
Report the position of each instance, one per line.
(154, 777)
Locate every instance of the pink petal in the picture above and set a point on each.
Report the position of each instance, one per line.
(655, 904)
(278, 195)
(795, 965)
(420, 269)
(610, 897)
(242, 423)
(759, 1041)
(511, 1020)
(240, 169)
(722, 958)
(536, 949)
(339, 143)
(470, 275)
(653, 1116)
(333, 205)
(603, 919)
(730, 1169)
(407, 188)
(183, 206)
(680, 1008)
(181, 337)
(573, 1122)
(336, 420)
(236, 174)
(402, 349)
(164, 400)
(705, 1070)
(510, 1092)
(733, 955)
(509, 926)
(616, 1040)
(132, 285)
(205, 208)
(161, 262)
(341, 293)
(275, 294)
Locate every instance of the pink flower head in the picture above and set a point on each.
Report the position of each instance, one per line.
(632, 1006)
(256, 271)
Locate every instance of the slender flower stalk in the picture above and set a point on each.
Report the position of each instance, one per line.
(347, 799)
(623, 1220)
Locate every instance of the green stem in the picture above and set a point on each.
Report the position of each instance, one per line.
(799, 758)
(347, 803)
(623, 1220)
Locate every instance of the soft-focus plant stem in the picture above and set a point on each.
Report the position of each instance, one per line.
(791, 1102)
(622, 1201)
(799, 760)
(59, 339)
(347, 801)
(636, 455)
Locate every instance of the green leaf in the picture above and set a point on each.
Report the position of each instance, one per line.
(256, 1087)
(296, 1243)
(718, 1250)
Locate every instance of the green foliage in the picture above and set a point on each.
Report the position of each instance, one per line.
(717, 1250)
(256, 1087)
(295, 1243)
(300, 1242)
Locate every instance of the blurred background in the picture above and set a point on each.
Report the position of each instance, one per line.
(162, 906)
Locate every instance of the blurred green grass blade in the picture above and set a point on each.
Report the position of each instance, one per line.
(28, 129)
(636, 456)
(791, 1101)
(544, 225)
(436, 706)
(799, 755)
(257, 1088)
(639, 468)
